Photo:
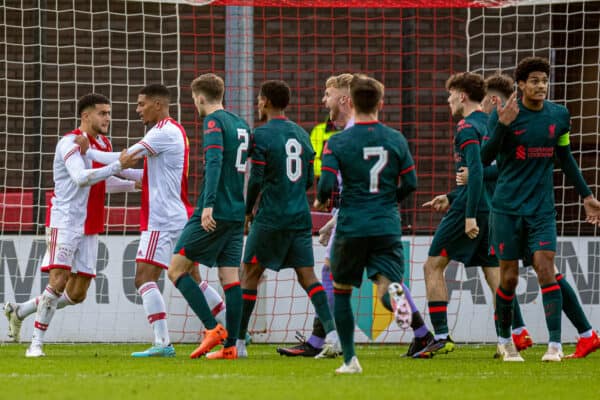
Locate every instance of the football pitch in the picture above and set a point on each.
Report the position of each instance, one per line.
(105, 371)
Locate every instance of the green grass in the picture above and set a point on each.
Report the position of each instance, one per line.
(105, 371)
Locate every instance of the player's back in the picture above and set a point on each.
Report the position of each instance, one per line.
(371, 158)
(469, 131)
(231, 134)
(285, 149)
(165, 206)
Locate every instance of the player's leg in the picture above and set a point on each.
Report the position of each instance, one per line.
(46, 308)
(421, 334)
(153, 256)
(250, 276)
(588, 339)
(348, 257)
(505, 294)
(230, 280)
(213, 298)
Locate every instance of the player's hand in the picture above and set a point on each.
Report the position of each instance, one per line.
(138, 185)
(462, 176)
(317, 205)
(592, 210)
(83, 142)
(128, 160)
(248, 222)
(471, 228)
(208, 222)
(325, 231)
(508, 113)
(438, 203)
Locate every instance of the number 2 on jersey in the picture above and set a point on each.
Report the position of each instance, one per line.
(382, 155)
(243, 147)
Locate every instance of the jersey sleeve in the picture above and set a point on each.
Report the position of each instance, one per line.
(213, 156)
(468, 142)
(329, 171)
(156, 141)
(407, 174)
(258, 161)
(69, 152)
(565, 157)
(497, 131)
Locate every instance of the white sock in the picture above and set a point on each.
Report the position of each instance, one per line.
(441, 336)
(502, 340)
(556, 345)
(517, 331)
(44, 314)
(587, 333)
(154, 305)
(332, 337)
(27, 308)
(64, 301)
(215, 302)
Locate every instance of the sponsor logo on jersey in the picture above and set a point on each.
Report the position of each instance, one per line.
(520, 153)
(551, 130)
(519, 132)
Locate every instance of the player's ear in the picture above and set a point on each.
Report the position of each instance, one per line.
(379, 106)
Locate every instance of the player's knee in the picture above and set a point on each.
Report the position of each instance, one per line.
(510, 282)
(78, 296)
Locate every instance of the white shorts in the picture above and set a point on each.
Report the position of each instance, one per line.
(70, 250)
(156, 247)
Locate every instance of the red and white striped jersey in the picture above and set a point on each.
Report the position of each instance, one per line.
(165, 206)
(79, 188)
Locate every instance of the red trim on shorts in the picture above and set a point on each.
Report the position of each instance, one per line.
(251, 297)
(86, 274)
(550, 288)
(181, 251)
(156, 317)
(258, 162)
(229, 286)
(443, 253)
(315, 290)
(504, 296)
(47, 268)
(333, 171)
(438, 309)
(151, 262)
(254, 260)
(53, 237)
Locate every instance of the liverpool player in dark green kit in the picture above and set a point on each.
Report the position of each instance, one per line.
(462, 234)
(372, 159)
(214, 234)
(281, 232)
(527, 134)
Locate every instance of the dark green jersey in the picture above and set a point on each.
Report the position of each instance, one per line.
(525, 159)
(226, 139)
(467, 142)
(372, 159)
(282, 170)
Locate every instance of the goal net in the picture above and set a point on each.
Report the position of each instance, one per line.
(51, 55)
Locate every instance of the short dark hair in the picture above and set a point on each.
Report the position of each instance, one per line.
(529, 65)
(501, 83)
(469, 83)
(366, 93)
(90, 100)
(210, 85)
(156, 90)
(277, 92)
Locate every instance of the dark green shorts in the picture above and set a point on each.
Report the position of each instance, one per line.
(222, 247)
(278, 249)
(450, 240)
(350, 256)
(517, 237)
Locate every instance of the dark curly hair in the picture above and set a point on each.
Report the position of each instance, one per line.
(529, 65)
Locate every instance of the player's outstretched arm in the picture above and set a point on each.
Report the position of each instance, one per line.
(87, 177)
(438, 203)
